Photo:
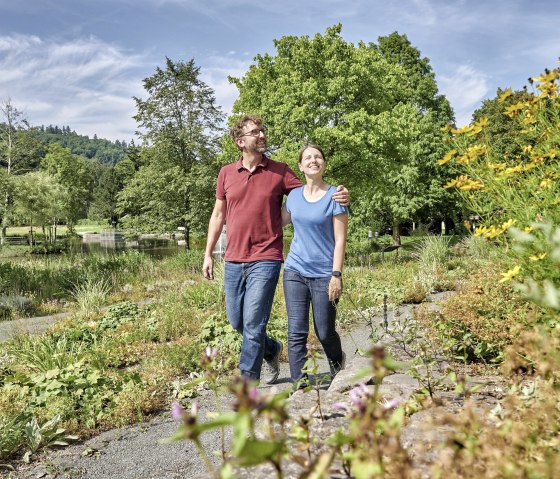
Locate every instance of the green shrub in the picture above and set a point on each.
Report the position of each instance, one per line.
(121, 313)
(11, 435)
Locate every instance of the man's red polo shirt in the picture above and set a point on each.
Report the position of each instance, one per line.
(254, 202)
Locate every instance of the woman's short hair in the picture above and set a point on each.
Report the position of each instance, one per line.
(310, 145)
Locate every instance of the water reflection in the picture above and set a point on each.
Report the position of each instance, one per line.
(154, 247)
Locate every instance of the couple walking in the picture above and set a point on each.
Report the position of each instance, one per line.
(249, 197)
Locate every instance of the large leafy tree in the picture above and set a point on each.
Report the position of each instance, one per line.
(180, 123)
(39, 200)
(406, 144)
(74, 174)
(421, 87)
(108, 182)
(154, 198)
(362, 103)
(19, 153)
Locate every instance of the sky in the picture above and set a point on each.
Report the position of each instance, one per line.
(79, 63)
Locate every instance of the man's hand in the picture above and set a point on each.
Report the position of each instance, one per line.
(208, 267)
(342, 195)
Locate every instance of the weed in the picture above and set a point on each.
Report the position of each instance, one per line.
(91, 295)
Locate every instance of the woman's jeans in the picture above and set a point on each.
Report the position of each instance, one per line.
(300, 292)
(250, 291)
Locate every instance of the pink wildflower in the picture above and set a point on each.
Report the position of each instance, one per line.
(358, 394)
(393, 403)
(176, 410)
(211, 352)
(340, 406)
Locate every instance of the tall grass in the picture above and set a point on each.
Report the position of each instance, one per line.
(45, 353)
(69, 277)
(91, 295)
(432, 255)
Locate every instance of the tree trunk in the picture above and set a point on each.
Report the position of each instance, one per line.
(396, 233)
(5, 219)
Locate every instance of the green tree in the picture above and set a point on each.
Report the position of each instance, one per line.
(39, 201)
(406, 144)
(19, 153)
(154, 198)
(363, 106)
(421, 87)
(181, 122)
(74, 173)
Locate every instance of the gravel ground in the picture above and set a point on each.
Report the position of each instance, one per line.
(9, 329)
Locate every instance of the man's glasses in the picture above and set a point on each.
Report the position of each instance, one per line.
(254, 132)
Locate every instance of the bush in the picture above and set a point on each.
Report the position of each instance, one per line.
(485, 316)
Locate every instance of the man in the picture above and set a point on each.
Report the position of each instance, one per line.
(249, 197)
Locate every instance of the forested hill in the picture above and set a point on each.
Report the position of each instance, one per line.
(93, 148)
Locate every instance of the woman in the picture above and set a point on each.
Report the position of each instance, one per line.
(313, 268)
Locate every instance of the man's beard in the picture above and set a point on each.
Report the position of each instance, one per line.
(258, 148)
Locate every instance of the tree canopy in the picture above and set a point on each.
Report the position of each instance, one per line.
(181, 126)
(373, 108)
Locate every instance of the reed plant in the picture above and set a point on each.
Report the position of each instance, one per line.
(91, 295)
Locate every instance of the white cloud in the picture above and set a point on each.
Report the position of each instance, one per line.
(215, 74)
(465, 88)
(86, 83)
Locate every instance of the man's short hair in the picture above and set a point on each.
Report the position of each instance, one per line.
(237, 129)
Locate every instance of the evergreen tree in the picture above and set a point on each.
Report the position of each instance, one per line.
(181, 122)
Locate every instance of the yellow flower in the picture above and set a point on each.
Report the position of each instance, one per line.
(530, 166)
(471, 185)
(546, 183)
(447, 157)
(481, 231)
(549, 76)
(512, 110)
(464, 183)
(497, 166)
(508, 223)
(477, 126)
(494, 230)
(512, 273)
(462, 130)
(537, 257)
(505, 95)
(509, 171)
(528, 229)
(472, 153)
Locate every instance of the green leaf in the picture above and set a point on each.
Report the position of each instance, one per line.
(241, 429)
(255, 451)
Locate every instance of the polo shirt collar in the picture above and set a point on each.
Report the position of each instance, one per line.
(262, 164)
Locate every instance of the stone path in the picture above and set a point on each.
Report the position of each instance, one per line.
(135, 452)
(9, 329)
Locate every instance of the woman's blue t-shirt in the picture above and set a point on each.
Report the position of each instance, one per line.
(312, 250)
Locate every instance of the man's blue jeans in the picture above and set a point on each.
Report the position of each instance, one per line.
(250, 289)
(299, 293)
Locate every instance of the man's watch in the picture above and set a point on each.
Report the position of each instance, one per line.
(337, 274)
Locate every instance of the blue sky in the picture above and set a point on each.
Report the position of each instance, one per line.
(80, 62)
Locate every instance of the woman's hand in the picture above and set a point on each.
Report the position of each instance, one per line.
(335, 288)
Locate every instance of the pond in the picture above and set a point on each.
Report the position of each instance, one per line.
(155, 247)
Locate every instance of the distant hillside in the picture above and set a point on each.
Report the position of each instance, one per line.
(103, 150)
